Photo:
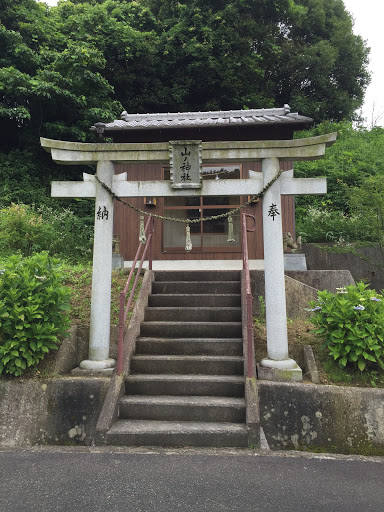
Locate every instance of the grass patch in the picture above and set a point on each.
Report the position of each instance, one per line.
(331, 373)
(79, 279)
(299, 332)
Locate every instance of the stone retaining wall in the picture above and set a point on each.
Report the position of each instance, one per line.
(301, 287)
(55, 411)
(322, 418)
(293, 416)
(318, 259)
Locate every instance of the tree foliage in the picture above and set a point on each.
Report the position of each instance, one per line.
(351, 215)
(356, 155)
(250, 53)
(66, 67)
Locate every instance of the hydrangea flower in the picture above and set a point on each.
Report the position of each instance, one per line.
(375, 299)
(41, 278)
(316, 308)
(359, 307)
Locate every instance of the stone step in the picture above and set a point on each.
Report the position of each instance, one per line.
(195, 365)
(183, 408)
(198, 275)
(195, 314)
(192, 299)
(190, 346)
(196, 287)
(187, 385)
(191, 329)
(173, 434)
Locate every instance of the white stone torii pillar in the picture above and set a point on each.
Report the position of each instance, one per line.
(100, 320)
(276, 318)
(269, 152)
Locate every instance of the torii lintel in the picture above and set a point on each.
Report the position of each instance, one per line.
(78, 153)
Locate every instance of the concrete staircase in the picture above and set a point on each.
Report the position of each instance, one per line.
(186, 384)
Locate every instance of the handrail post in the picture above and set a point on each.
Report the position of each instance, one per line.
(151, 230)
(249, 335)
(250, 349)
(244, 240)
(119, 365)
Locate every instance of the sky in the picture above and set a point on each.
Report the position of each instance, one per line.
(368, 16)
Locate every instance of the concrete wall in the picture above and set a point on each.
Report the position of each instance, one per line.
(322, 418)
(319, 260)
(56, 411)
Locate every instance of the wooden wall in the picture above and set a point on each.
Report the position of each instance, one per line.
(126, 220)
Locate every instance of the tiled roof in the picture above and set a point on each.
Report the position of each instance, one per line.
(202, 119)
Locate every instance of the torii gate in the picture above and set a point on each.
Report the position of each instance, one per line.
(104, 156)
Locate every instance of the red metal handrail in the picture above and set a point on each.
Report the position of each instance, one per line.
(123, 310)
(250, 347)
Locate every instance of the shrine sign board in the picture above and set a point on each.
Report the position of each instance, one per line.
(186, 163)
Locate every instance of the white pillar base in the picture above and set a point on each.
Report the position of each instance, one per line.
(285, 364)
(286, 370)
(88, 364)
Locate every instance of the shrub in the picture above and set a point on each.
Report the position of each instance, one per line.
(26, 229)
(73, 235)
(351, 321)
(23, 230)
(33, 311)
(317, 225)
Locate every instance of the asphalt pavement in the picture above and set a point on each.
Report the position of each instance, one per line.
(58, 479)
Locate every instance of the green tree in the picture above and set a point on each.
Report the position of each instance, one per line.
(357, 154)
(366, 203)
(220, 54)
(49, 84)
(67, 67)
(123, 34)
(322, 68)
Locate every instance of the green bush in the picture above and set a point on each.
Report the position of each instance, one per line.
(351, 322)
(73, 235)
(26, 229)
(318, 225)
(33, 311)
(23, 231)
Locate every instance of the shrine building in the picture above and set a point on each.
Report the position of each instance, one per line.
(209, 238)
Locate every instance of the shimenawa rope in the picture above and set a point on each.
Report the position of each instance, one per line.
(187, 222)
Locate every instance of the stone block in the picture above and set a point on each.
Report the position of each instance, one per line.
(81, 372)
(310, 364)
(118, 261)
(295, 262)
(55, 411)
